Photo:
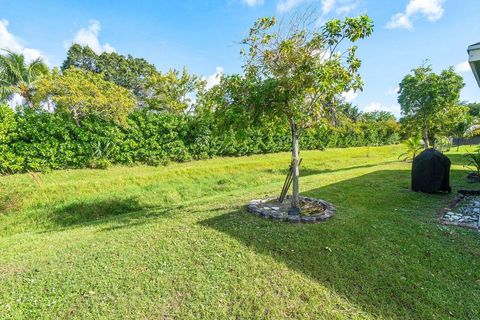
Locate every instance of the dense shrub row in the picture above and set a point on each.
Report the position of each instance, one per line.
(38, 141)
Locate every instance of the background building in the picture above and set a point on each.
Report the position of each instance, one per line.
(474, 60)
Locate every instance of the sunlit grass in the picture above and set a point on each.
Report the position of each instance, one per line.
(175, 242)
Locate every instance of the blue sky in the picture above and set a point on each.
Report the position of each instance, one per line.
(204, 35)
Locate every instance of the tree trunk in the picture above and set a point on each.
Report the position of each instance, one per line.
(26, 98)
(425, 134)
(295, 171)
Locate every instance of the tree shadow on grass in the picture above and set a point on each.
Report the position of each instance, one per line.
(113, 213)
(383, 251)
(117, 212)
(82, 212)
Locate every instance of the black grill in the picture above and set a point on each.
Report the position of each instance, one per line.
(431, 172)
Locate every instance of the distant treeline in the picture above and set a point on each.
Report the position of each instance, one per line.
(107, 109)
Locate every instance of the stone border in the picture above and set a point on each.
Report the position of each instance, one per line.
(329, 211)
(454, 204)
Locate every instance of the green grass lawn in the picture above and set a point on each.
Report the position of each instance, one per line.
(175, 242)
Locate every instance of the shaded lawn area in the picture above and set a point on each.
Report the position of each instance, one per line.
(175, 242)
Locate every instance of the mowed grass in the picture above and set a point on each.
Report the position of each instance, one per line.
(175, 243)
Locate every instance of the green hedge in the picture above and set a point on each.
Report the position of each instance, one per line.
(39, 141)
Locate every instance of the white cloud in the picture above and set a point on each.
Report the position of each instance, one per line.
(349, 96)
(89, 37)
(377, 106)
(107, 47)
(13, 43)
(8, 40)
(431, 9)
(214, 79)
(346, 9)
(463, 67)
(253, 3)
(32, 54)
(400, 21)
(327, 6)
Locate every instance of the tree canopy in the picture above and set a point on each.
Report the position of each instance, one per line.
(424, 96)
(174, 91)
(82, 57)
(302, 68)
(80, 93)
(126, 71)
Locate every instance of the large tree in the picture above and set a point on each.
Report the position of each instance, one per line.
(126, 71)
(17, 76)
(80, 93)
(298, 70)
(424, 96)
(174, 91)
(456, 123)
(82, 57)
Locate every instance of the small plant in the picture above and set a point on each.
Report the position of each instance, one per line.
(414, 146)
(101, 163)
(100, 156)
(157, 161)
(102, 150)
(473, 163)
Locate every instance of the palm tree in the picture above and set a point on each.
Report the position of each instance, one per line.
(414, 146)
(18, 76)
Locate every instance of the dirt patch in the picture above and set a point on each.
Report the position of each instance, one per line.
(10, 270)
(8, 201)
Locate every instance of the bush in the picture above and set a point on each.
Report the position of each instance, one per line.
(40, 141)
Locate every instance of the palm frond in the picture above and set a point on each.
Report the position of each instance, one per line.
(413, 146)
(18, 76)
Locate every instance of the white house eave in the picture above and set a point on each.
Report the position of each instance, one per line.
(474, 60)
